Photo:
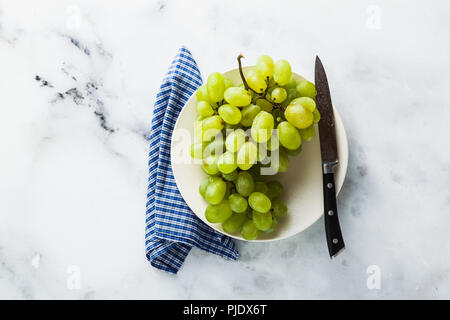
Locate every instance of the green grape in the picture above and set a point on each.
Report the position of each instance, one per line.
(237, 96)
(256, 82)
(316, 115)
(261, 152)
(203, 130)
(204, 109)
(249, 230)
(230, 176)
(202, 93)
(259, 202)
(199, 117)
(291, 96)
(308, 134)
(230, 114)
(306, 89)
(215, 147)
(255, 172)
(275, 189)
(264, 66)
(209, 165)
(272, 83)
(299, 116)
(238, 203)
(208, 128)
(230, 187)
(279, 208)
(307, 102)
(197, 150)
(289, 136)
(228, 126)
(283, 161)
(278, 95)
(264, 105)
(274, 143)
(215, 191)
(269, 92)
(213, 122)
(293, 152)
(282, 72)
(216, 87)
(235, 140)
(227, 162)
(261, 187)
(247, 155)
(262, 221)
(233, 223)
(262, 126)
(278, 162)
(244, 183)
(228, 83)
(218, 213)
(248, 114)
(204, 184)
(253, 94)
(292, 84)
(249, 212)
(273, 226)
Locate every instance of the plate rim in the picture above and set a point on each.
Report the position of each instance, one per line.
(342, 166)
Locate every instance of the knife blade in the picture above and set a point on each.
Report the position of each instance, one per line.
(328, 150)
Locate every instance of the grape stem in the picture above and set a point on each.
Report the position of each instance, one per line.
(261, 95)
(240, 56)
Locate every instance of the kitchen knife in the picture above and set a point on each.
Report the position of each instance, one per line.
(328, 149)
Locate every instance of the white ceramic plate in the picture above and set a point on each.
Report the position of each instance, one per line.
(302, 181)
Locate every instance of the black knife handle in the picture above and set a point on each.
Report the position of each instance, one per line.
(332, 229)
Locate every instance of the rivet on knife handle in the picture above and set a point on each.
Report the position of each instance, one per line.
(332, 229)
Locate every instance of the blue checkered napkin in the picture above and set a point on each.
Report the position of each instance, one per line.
(171, 227)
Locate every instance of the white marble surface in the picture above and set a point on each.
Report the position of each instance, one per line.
(73, 162)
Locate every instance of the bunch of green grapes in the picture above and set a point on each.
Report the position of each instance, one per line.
(243, 128)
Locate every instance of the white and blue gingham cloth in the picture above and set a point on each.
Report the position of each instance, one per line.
(171, 227)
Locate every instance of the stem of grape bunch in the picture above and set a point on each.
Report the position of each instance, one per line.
(240, 56)
(261, 95)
